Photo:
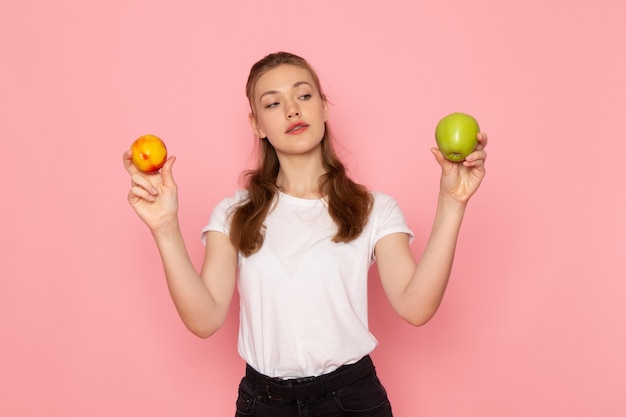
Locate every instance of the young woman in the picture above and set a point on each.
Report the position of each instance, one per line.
(298, 242)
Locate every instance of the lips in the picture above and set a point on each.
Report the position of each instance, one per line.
(297, 128)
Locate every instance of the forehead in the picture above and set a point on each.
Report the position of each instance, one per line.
(282, 78)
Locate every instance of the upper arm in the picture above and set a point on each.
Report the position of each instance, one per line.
(396, 267)
(219, 270)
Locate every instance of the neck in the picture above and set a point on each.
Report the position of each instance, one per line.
(300, 177)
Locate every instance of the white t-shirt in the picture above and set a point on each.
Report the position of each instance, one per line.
(303, 298)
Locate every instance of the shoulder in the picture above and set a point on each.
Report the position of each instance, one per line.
(229, 202)
(227, 205)
(223, 210)
(387, 217)
(385, 207)
(383, 201)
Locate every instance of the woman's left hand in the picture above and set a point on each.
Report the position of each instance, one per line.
(460, 180)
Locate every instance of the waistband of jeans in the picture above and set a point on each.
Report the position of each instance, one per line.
(309, 387)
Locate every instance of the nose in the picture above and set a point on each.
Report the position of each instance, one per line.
(293, 111)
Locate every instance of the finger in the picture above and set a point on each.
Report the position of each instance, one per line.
(438, 156)
(139, 193)
(138, 180)
(482, 140)
(476, 158)
(447, 167)
(127, 158)
(166, 172)
(474, 164)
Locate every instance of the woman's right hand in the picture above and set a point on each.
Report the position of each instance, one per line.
(154, 197)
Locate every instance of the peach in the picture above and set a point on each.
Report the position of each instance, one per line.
(149, 153)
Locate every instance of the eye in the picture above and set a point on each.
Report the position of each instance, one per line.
(305, 97)
(271, 105)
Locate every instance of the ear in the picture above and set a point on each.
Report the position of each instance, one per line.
(255, 126)
(325, 109)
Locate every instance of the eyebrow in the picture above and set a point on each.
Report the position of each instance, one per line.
(295, 85)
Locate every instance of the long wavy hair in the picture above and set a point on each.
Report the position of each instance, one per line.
(349, 203)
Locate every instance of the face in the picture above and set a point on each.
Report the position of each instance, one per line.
(288, 109)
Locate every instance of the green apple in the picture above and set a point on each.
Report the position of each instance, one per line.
(456, 136)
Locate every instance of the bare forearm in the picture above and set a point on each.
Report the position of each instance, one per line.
(192, 299)
(428, 284)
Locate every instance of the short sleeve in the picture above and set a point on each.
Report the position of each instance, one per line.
(388, 218)
(220, 217)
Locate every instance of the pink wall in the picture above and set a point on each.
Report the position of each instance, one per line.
(533, 322)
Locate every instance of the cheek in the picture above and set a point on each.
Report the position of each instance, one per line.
(261, 124)
(265, 127)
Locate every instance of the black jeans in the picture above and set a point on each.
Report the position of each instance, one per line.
(352, 390)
